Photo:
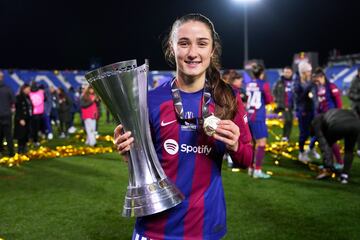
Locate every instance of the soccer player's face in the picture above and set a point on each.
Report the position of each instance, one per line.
(192, 46)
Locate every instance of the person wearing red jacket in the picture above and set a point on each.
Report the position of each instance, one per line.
(89, 114)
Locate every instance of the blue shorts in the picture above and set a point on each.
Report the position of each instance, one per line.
(258, 129)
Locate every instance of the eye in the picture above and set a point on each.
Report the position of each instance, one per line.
(203, 43)
(183, 43)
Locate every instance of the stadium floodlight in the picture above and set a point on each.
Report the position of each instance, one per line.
(245, 1)
(246, 45)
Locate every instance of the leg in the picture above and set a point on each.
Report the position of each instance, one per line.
(288, 120)
(9, 138)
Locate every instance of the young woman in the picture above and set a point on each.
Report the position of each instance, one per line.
(65, 104)
(23, 112)
(328, 97)
(194, 47)
(259, 94)
(89, 114)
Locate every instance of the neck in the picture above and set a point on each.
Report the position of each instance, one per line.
(190, 84)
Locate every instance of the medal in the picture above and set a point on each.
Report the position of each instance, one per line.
(210, 124)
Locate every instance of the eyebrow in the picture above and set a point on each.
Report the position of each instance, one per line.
(201, 39)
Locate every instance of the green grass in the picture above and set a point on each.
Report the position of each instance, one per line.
(82, 197)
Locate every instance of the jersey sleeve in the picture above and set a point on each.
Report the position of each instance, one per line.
(335, 93)
(267, 93)
(243, 156)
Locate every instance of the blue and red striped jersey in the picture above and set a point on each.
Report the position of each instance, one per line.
(259, 94)
(328, 97)
(192, 160)
(289, 101)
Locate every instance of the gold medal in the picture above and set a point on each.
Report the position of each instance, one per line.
(210, 125)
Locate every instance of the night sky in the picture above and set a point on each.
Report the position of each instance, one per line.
(68, 34)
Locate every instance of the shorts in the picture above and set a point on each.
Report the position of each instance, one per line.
(258, 129)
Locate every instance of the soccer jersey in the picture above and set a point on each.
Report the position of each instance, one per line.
(191, 160)
(259, 94)
(328, 97)
(289, 102)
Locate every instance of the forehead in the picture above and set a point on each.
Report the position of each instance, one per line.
(192, 29)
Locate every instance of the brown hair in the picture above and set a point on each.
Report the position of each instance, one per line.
(86, 93)
(222, 93)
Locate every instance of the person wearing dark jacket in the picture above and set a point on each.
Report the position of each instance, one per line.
(7, 100)
(354, 96)
(329, 127)
(22, 119)
(305, 108)
(65, 105)
(284, 99)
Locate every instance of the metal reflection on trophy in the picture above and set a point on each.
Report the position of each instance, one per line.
(123, 88)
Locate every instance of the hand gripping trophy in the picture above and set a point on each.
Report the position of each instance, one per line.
(122, 87)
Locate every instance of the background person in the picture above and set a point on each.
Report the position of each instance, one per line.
(7, 101)
(89, 112)
(330, 127)
(259, 95)
(284, 99)
(22, 120)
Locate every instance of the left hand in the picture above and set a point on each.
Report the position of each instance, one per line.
(228, 132)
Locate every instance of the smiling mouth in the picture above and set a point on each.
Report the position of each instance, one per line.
(192, 62)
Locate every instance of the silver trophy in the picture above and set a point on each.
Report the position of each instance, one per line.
(123, 87)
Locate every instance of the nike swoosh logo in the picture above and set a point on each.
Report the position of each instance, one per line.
(163, 124)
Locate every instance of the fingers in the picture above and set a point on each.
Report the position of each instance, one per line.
(117, 131)
(228, 132)
(122, 141)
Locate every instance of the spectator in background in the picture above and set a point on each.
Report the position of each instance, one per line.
(236, 81)
(75, 108)
(354, 96)
(7, 100)
(305, 108)
(37, 97)
(54, 114)
(329, 127)
(259, 94)
(284, 99)
(47, 112)
(328, 97)
(65, 105)
(89, 112)
(23, 111)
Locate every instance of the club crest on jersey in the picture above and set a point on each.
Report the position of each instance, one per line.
(245, 119)
(189, 126)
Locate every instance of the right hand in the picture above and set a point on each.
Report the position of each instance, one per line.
(22, 122)
(122, 141)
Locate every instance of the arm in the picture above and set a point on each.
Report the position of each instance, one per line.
(267, 93)
(336, 95)
(317, 127)
(240, 148)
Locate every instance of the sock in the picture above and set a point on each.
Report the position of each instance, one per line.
(336, 152)
(260, 153)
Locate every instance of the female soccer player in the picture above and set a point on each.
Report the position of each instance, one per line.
(176, 110)
(259, 94)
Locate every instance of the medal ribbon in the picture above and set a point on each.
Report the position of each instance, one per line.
(206, 98)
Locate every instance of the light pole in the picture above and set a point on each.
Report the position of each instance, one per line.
(246, 43)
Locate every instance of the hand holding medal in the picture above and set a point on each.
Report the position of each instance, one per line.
(227, 132)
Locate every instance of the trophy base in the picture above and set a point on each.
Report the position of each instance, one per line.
(150, 199)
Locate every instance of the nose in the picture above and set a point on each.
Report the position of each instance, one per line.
(192, 54)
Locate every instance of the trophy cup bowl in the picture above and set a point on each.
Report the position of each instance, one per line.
(123, 88)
